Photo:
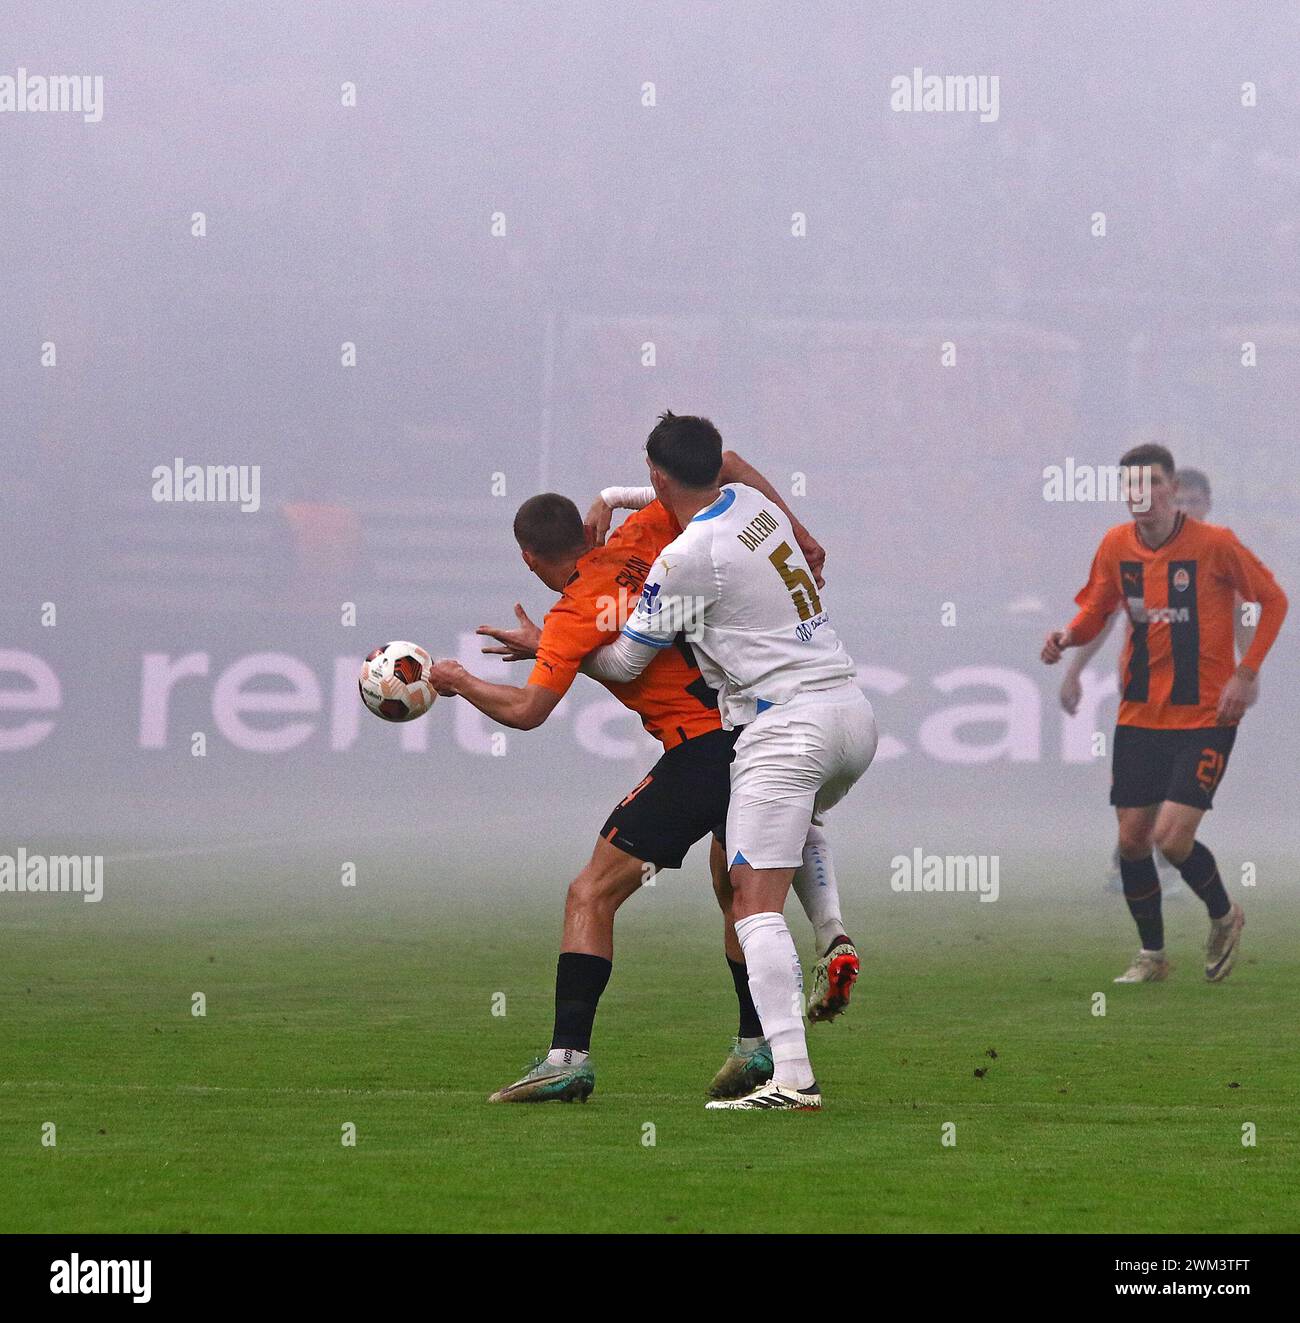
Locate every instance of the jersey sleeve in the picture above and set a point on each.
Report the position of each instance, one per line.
(627, 498)
(569, 633)
(677, 591)
(1098, 597)
(1255, 582)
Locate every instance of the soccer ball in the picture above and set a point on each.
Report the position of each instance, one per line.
(392, 682)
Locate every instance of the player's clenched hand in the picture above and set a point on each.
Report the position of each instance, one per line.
(1071, 693)
(444, 676)
(1235, 698)
(813, 552)
(518, 644)
(597, 523)
(1057, 642)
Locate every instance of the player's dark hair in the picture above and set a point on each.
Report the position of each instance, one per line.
(549, 526)
(1148, 454)
(688, 449)
(1194, 478)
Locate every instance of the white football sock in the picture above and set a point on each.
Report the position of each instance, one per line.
(566, 1056)
(776, 984)
(818, 892)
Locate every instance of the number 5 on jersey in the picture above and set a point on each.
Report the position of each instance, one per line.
(803, 591)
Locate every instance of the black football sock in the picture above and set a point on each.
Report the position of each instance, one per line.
(579, 981)
(1201, 873)
(750, 1025)
(1142, 891)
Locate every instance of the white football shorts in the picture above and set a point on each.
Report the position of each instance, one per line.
(792, 761)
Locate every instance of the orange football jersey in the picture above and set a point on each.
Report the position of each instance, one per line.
(670, 695)
(1180, 599)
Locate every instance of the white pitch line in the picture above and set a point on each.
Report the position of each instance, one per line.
(185, 851)
(856, 1104)
(229, 1088)
(75, 1086)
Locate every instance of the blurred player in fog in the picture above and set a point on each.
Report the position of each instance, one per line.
(1179, 581)
(1193, 497)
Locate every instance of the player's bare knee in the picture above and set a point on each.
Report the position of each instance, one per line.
(1135, 842)
(601, 886)
(575, 898)
(587, 892)
(1175, 841)
(748, 896)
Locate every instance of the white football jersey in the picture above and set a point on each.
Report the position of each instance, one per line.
(737, 584)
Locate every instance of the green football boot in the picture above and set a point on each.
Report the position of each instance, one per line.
(743, 1071)
(548, 1082)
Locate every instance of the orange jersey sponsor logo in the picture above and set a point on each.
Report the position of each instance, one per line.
(1181, 601)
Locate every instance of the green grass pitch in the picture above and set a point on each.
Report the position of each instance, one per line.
(348, 1006)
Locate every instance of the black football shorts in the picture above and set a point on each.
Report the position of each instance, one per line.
(1185, 766)
(683, 798)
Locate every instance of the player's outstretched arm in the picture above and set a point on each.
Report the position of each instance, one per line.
(620, 661)
(737, 469)
(676, 595)
(520, 708)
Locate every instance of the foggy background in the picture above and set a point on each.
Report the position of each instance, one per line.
(490, 366)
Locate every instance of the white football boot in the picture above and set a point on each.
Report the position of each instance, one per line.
(1147, 967)
(1225, 941)
(771, 1098)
